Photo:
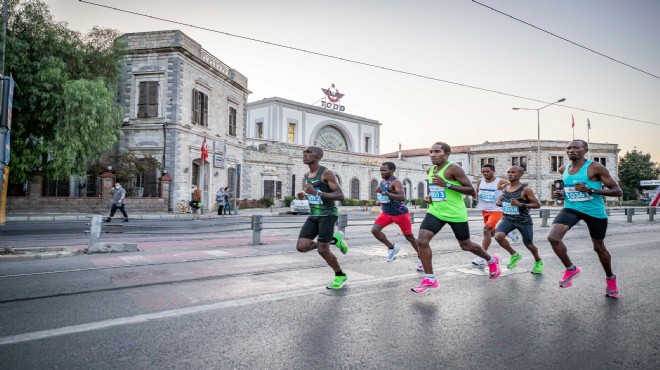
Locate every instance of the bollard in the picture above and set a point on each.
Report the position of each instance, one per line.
(545, 215)
(412, 218)
(652, 211)
(257, 226)
(342, 222)
(94, 233)
(629, 213)
(608, 212)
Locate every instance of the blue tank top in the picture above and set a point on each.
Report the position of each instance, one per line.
(388, 205)
(591, 204)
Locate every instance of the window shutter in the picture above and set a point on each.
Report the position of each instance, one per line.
(152, 99)
(278, 190)
(142, 100)
(205, 111)
(195, 108)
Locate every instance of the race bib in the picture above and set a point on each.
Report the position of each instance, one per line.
(313, 198)
(508, 209)
(487, 195)
(437, 193)
(382, 198)
(576, 196)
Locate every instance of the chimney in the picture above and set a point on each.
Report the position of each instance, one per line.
(399, 150)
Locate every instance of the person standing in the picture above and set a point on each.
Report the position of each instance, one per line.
(196, 202)
(391, 196)
(516, 201)
(489, 190)
(118, 202)
(227, 209)
(585, 184)
(220, 199)
(321, 189)
(447, 185)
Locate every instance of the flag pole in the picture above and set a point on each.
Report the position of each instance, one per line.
(573, 125)
(588, 131)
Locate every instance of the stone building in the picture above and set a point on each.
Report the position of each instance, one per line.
(175, 94)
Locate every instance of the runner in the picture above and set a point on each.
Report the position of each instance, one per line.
(391, 196)
(321, 190)
(447, 185)
(585, 184)
(516, 200)
(489, 190)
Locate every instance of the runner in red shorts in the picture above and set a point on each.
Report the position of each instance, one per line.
(391, 197)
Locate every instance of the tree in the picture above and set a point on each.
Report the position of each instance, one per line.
(635, 166)
(65, 111)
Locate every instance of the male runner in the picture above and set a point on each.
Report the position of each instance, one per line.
(391, 196)
(516, 200)
(585, 184)
(447, 185)
(321, 190)
(489, 190)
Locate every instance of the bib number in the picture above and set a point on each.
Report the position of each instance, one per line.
(576, 196)
(508, 209)
(313, 198)
(487, 195)
(437, 193)
(382, 198)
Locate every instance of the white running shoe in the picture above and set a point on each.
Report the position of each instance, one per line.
(513, 236)
(420, 267)
(391, 253)
(479, 261)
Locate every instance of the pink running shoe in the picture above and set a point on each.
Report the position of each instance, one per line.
(494, 268)
(611, 290)
(567, 280)
(424, 285)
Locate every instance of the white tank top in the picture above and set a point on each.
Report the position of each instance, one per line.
(488, 195)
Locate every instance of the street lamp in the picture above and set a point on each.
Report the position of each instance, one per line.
(538, 143)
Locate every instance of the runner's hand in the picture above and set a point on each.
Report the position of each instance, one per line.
(439, 181)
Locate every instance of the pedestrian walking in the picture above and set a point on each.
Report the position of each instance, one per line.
(118, 202)
(227, 209)
(196, 202)
(221, 200)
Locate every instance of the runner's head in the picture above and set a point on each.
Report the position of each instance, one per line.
(439, 153)
(312, 154)
(576, 149)
(514, 173)
(387, 170)
(488, 170)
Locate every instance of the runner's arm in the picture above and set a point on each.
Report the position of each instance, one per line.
(398, 191)
(459, 175)
(611, 187)
(336, 192)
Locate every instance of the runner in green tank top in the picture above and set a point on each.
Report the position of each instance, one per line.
(321, 189)
(447, 185)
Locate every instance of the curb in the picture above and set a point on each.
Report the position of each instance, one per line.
(23, 254)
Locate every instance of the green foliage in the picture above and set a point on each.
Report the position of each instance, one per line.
(65, 111)
(419, 202)
(635, 166)
(288, 200)
(267, 202)
(634, 203)
(127, 166)
(350, 202)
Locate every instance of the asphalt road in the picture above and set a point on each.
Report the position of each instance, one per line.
(211, 300)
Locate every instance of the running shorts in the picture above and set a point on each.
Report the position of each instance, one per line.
(321, 226)
(402, 220)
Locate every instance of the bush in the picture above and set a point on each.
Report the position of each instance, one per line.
(248, 203)
(350, 202)
(634, 203)
(288, 200)
(267, 202)
(419, 202)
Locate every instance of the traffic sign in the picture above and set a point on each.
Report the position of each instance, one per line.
(649, 183)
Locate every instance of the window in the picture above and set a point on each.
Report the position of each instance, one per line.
(292, 132)
(601, 160)
(232, 121)
(421, 186)
(331, 138)
(487, 161)
(272, 189)
(355, 188)
(372, 188)
(519, 161)
(200, 108)
(366, 144)
(556, 161)
(147, 99)
(260, 130)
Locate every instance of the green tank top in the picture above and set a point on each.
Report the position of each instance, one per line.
(446, 204)
(319, 206)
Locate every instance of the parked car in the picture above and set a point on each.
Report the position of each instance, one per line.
(299, 206)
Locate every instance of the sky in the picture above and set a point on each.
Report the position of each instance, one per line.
(451, 40)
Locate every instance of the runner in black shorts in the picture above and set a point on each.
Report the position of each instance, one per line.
(585, 184)
(322, 190)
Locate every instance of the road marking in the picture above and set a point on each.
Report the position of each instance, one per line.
(99, 325)
(134, 259)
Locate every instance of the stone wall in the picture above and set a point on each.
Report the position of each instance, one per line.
(20, 205)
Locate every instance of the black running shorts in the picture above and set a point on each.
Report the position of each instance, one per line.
(433, 224)
(597, 226)
(321, 226)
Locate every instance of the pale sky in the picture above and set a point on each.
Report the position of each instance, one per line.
(454, 40)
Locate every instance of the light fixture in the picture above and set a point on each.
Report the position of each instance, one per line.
(164, 171)
(109, 168)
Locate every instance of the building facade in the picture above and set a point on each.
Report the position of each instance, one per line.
(176, 96)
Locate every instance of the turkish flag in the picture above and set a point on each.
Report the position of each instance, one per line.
(205, 150)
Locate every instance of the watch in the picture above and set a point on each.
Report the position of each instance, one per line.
(318, 193)
(591, 191)
(448, 186)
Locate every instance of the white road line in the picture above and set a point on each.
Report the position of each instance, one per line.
(73, 329)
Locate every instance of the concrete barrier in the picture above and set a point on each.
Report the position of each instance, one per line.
(257, 226)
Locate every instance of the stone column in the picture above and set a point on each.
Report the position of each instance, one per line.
(165, 190)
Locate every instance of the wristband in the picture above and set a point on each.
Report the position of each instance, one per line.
(319, 193)
(591, 191)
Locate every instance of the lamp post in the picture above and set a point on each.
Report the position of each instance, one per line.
(538, 143)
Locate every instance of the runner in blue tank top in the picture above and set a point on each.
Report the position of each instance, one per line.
(585, 184)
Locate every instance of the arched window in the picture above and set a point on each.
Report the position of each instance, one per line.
(421, 189)
(330, 137)
(355, 188)
(407, 188)
(338, 180)
(372, 189)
